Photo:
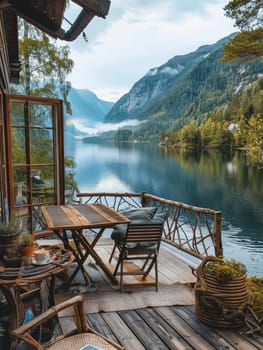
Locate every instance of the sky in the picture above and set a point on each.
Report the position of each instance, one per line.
(139, 35)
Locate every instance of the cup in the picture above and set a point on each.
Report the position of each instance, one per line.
(41, 256)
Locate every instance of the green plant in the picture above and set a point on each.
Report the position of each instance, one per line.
(10, 228)
(26, 240)
(255, 285)
(225, 270)
(10, 232)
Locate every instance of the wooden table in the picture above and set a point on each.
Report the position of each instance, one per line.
(22, 286)
(76, 218)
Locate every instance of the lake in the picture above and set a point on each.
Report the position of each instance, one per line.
(211, 179)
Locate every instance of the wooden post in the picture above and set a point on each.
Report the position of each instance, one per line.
(217, 234)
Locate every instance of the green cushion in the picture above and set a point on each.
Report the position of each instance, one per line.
(157, 219)
(137, 216)
(119, 232)
(141, 215)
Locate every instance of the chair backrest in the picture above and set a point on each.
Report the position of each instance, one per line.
(144, 235)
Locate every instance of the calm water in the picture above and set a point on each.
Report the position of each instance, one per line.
(216, 180)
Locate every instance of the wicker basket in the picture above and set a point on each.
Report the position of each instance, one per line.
(220, 304)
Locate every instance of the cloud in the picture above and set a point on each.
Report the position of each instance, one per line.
(99, 127)
(136, 37)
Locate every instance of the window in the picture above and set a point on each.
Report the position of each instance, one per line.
(35, 157)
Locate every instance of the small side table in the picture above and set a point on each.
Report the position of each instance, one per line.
(32, 285)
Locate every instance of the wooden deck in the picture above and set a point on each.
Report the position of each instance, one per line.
(144, 319)
(163, 328)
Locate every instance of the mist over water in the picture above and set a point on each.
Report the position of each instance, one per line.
(92, 128)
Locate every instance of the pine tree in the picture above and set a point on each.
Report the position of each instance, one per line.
(247, 45)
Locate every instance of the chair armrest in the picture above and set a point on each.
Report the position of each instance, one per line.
(82, 326)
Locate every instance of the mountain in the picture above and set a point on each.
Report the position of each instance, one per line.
(86, 104)
(186, 87)
(87, 109)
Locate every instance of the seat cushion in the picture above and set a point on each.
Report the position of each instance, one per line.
(157, 219)
(137, 216)
(79, 341)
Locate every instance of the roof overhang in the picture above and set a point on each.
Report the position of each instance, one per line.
(11, 29)
(47, 15)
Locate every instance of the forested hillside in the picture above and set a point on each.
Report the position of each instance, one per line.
(151, 89)
(238, 124)
(209, 86)
(195, 88)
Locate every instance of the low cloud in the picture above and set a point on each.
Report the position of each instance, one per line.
(98, 128)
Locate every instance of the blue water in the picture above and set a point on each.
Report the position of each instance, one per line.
(216, 180)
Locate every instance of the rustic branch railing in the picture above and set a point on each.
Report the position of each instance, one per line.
(194, 230)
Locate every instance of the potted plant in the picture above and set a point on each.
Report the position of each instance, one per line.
(9, 233)
(27, 244)
(221, 292)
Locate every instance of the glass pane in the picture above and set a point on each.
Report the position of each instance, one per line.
(22, 197)
(43, 184)
(17, 113)
(40, 115)
(41, 146)
(18, 145)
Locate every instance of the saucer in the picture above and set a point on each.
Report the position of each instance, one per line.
(45, 262)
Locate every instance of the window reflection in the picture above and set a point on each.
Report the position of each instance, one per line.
(41, 146)
(41, 115)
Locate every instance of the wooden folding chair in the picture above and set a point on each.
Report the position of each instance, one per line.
(141, 242)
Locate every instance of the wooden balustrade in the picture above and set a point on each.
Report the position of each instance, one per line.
(193, 230)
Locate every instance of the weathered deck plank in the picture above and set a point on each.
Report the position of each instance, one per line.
(183, 328)
(165, 328)
(169, 327)
(143, 332)
(220, 339)
(122, 331)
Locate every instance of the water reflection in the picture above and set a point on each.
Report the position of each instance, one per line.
(212, 179)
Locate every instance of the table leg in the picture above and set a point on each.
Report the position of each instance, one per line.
(80, 259)
(82, 243)
(89, 247)
(77, 253)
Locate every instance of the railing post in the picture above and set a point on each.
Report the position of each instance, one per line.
(218, 234)
(144, 201)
